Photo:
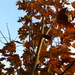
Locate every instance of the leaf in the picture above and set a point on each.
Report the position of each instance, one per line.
(10, 70)
(38, 17)
(16, 59)
(18, 3)
(66, 2)
(73, 45)
(73, 4)
(27, 44)
(58, 70)
(1, 59)
(23, 72)
(10, 47)
(2, 65)
(23, 32)
(62, 18)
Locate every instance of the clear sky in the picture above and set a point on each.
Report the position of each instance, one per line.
(9, 14)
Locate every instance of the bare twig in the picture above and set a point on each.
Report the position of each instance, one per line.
(68, 67)
(16, 37)
(2, 42)
(8, 32)
(3, 36)
(16, 68)
(30, 38)
(43, 18)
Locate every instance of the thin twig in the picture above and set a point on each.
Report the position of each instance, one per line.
(68, 67)
(30, 37)
(16, 68)
(3, 36)
(2, 42)
(43, 20)
(8, 32)
(16, 37)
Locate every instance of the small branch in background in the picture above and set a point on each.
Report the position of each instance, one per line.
(47, 36)
(2, 42)
(68, 67)
(38, 52)
(16, 37)
(8, 32)
(30, 37)
(29, 50)
(16, 68)
(3, 36)
(43, 18)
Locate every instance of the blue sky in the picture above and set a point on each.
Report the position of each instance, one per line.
(9, 14)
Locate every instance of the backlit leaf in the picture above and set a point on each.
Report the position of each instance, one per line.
(73, 4)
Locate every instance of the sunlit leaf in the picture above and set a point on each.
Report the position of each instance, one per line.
(73, 45)
(73, 4)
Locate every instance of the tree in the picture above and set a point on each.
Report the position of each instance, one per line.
(42, 24)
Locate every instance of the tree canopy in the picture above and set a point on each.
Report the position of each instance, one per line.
(47, 32)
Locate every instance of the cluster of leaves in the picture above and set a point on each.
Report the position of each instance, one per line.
(42, 26)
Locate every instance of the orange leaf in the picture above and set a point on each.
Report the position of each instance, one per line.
(38, 17)
(73, 4)
(73, 45)
(62, 18)
(18, 3)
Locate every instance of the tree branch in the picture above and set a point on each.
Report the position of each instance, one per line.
(68, 67)
(37, 54)
(8, 33)
(3, 36)
(16, 68)
(39, 47)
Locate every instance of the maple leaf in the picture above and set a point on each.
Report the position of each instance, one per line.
(9, 70)
(62, 18)
(18, 3)
(1, 59)
(73, 4)
(10, 47)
